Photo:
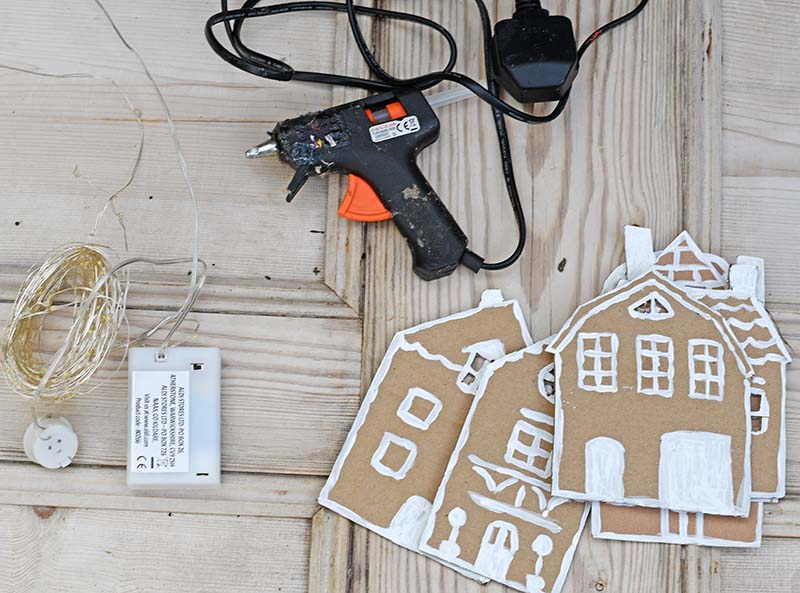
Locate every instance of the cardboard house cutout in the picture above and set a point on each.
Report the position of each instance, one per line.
(681, 262)
(494, 514)
(395, 455)
(742, 306)
(652, 403)
(668, 527)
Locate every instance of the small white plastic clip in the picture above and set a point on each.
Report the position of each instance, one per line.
(52, 442)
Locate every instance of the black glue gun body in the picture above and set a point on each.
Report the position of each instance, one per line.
(376, 142)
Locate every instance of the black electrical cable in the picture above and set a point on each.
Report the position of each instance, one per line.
(265, 66)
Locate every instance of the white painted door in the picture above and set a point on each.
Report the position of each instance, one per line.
(605, 469)
(500, 543)
(695, 472)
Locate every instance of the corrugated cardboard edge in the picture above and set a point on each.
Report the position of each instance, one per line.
(489, 299)
(536, 348)
(598, 532)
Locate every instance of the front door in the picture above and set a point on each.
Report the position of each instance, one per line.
(694, 473)
(499, 544)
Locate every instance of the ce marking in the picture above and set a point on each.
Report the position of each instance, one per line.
(408, 125)
(141, 462)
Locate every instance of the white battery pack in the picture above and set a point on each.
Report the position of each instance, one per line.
(174, 417)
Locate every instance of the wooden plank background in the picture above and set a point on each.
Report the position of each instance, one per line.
(661, 131)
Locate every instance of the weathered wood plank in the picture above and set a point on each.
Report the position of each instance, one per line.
(238, 198)
(770, 568)
(329, 559)
(599, 566)
(702, 150)
(760, 217)
(198, 85)
(260, 495)
(761, 76)
(290, 391)
(78, 550)
(245, 296)
(701, 570)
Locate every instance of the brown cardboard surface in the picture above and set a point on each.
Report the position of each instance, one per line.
(449, 339)
(377, 497)
(395, 455)
(493, 515)
(636, 420)
(647, 524)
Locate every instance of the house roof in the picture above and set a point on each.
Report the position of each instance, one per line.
(684, 263)
(750, 322)
(643, 283)
(447, 339)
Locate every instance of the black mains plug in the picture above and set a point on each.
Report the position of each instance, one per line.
(535, 54)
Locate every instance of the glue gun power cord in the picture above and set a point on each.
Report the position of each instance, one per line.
(259, 64)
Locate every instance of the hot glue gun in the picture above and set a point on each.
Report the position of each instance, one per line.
(375, 142)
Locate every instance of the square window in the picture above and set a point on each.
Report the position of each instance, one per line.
(759, 411)
(480, 355)
(597, 361)
(706, 370)
(655, 365)
(394, 457)
(420, 408)
(529, 448)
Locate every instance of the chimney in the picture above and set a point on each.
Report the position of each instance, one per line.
(744, 280)
(639, 255)
(758, 263)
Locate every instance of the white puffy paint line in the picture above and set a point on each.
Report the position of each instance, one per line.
(446, 554)
(699, 539)
(398, 532)
(387, 441)
(652, 299)
(647, 347)
(593, 379)
(568, 333)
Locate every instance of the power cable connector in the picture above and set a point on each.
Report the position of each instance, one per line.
(535, 54)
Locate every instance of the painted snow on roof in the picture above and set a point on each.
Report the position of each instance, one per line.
(750, 323)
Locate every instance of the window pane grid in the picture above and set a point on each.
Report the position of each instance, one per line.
(706, 370)
(597, 362)
(655, 362)
(525, 449)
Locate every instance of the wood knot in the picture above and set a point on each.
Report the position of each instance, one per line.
(44, 512)
(599, 586)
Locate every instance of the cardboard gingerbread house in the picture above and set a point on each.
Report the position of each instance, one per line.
(652, 403)
(494, 514)
(393, 459)
(737, 293)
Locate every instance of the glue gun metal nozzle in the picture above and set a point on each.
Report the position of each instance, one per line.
(268, 147)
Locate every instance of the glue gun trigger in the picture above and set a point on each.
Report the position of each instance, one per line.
(301, 175)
